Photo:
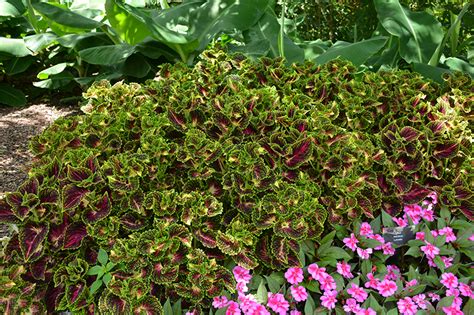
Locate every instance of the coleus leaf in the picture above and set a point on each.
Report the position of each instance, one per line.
(280, 249)
(114, 304)
(300, 153)
(31, 239)
(79, 175)
(6, 213)
(30, 186)
(416, 194)
(132, 222)
(446, 150)
(246, 260)
(207, 238)
(15, 200)
(72, 196)
(57, 234)
(75, 291)
(48, 196)
(149, 305)
(99, 209)
(38, 268)
(164, 274)
(75, 233)
(227, 244)
(53, 297)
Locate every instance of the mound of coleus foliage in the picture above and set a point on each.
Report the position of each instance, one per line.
(232, 161)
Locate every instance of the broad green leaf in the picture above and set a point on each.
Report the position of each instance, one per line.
(387, 220)
(328, 238)
(419, 32)
(177, 308)
(65, 17)
(262, 293)
(14, 46)
(12, 8)
(136, 66)
(468, 307)
(37, 42)
(84, 41)
(95, 270)
(127, 26)
(313, 49)
(167, 309)
(430, 72)
(11, 96)
(152, 48)
(275, 281)
(457, 64)
(18, 65)
(357, 53)
(55, 81)
(110, 265)
(106, 279)
(107, 55)
(335, 252)
(43, 75)
(444, 302)
(309, 306)
(413, 251)
(102, 256)
(95, 286)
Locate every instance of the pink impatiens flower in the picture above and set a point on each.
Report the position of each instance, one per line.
(220, 301)
(351, 242)
(373, 282)
(400, 221)
(344, 269)
(388, 249)
(420, 301)
(428, 215)
(299, 293)
(452, 310)
(317, 272)
(351, 306)
(357, 293)
(465, 290)
(430, 250)
(294, 312)
(328, 299)
(368, 311)
(448, 261)
(392, 272)
(406, 306)
(420, 236)
(241, 274)
(411, 283)
(365, 229)
(471, 238)
(387, 288)
(233, 309)
(434, 297)
(294, 275)
(414, 212)
(364, 253)
(327, 283)
(449, 280)
(278, 303)
(450, 236)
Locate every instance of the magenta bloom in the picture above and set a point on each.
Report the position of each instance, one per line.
(428, 215)
(220, 301)
(411, 283)
(420, 236)
(351, 306)
(388, 249)
(465, 290)
(344, 269)
(368, 311)
(233, 309)
(448, 261)
(373, 282)
(400, 221)
(317, 272)
(294, 275)
(365, 229)
(420, 301)
(278, 303)
(364, 253)
(327, 283)
(449, 280)
(241, 274)
(414, 212)
(351, 242)
(295, 312)
(430, 250)
(328, 299)
(471, 238)
(406, 306)
(299, 293)
(434, 297)
(387, 288)
(357, 293)
(450, 236)
(452, 310)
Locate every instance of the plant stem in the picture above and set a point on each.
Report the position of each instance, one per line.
(281, 48)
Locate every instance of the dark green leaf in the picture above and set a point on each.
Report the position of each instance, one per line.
(136, 66)
(107, 55)
(12, 8)
(55, 81)
(17, 65)
(102, 257)
(95, 286)
(37, 42)
(14, 46)
(11, 96)
(430, 72)
(65, 17)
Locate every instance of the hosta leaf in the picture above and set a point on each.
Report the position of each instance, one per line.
(31, 240)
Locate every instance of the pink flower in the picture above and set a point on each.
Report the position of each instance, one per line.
(434, 297)
(327, 283)
(431, 263)
(248, 304)
(294, 275)
(378, 238)
(241, 287)
(388, 249)
(357, 293)
(452, 310)
(365, 229)
(317, 272)
(414, 212)
(471, 238)
(465, 290)
(411, 283)
(233, 309)
(449, 280)
(241, 274)
(420, 236)
(387, 288)
(392, 272)
(400, 221)
(351, 306)
(373, 282)
(299, 293)
(450, 237)
(434, 233)
(364, 311)
(278, 303)
(220, 301)
(420, 301)
(430, 250)
(295, 312)
(328, 299)
(364, 253)
(406, 306)
(258, 309)
(452, 292)
(344, 269)
(351, 242)
(428, 215)
(448, 261)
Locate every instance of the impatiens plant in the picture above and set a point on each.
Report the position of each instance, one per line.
(435, 283)
(230, 162)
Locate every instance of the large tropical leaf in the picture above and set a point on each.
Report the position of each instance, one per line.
(357, 53)
(11, 96)
(11, 8)
(13, 46)
(65, 17)
(419, 32)
(107, 55)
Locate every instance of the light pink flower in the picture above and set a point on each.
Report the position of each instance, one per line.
(357, 293)
(388, 249)
(295, 312)
(452, 292)
(450, 236)
(351, 242)
(387, 288)
(414, 212)
(258, 309)
(278, 303)
(351, 306)
(411, 283)
(471, 238)
(220, 301)
(431, 263)
(294, 275)
(241, 274)
(465, 290)
(248, 303)
(368, 311)
(233, 309)
(400, 221)
(241, 287)
(378, 238)
(428, 215)
(435, 233)
(448, 261)
(420, 236)
(373, 282)
(420, 301)
(452, 310)
(327, 283)
(449, 280)
(328, 299)
(344, 269)
(364, 253)
(299, 293)
(316, 272)
(434, 297)
(365, 229)
(392, 272)
(430, 250)
(406, 306)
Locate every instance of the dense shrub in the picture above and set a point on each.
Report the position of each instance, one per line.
(230, 161)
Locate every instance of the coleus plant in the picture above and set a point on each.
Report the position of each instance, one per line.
(232, 161)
